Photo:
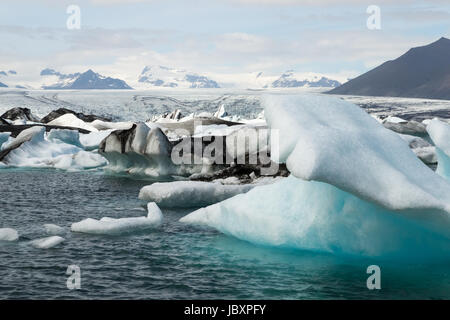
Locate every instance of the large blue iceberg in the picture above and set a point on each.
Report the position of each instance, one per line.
(356, 188)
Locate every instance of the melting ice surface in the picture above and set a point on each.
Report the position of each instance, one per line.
(112, 226)
(356, 188)
(47, 243)
(440, 134)
(59, 149)
(189, 193)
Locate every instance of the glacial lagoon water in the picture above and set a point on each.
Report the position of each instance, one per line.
(174, 261)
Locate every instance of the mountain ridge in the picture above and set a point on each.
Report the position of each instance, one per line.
(421, 72)
(87, 80)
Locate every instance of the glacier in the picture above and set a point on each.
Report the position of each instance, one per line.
(355, 188)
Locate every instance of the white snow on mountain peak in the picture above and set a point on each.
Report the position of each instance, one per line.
(292, 79)
(161, 76)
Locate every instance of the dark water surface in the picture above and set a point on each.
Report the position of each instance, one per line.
(174, 261)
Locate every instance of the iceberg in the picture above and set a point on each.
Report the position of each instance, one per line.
(70, 120)
(53, 229)
(91, 141)
(71, 137)
(107, 125)
(355, 188)
(47, 243)
(423, 150)
(404, 127)
(31, 148)
(333, 141)
(4, 136)
(8, 234)
(190, 193)
(440, 134)
(112, 226)
(138, 150)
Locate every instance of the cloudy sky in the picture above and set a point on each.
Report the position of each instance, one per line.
(228, 40)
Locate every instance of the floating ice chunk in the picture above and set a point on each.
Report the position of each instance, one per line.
(91, 141)
(70, 120)
(205, 114)
(406, 127)
(154, 213)
(139, 150)
(26, 135)
(330, 140)
(4, 137)
(65, 135)
(215, 130)
(31, 149)
(423, 150)
(316, 216)
(371, 197)
(104, 125)
(112, 226)
(47, 243)
(8, 234)
(440, 134)
(394, 120)
(87, 160)
(190, 193)
(54, 229)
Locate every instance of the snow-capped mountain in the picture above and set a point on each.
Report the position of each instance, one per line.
(87, 80)
(290, 79)
(160, 76)
(7, 81)
(5, 73)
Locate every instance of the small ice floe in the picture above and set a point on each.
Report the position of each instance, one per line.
(423, 150)
(53, 229)
(400, 125)
(107, 125)
(8, 234)
(112, 226)
(47, 243)
(190, 193)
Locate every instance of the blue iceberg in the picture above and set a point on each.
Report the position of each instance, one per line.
(355, 188)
